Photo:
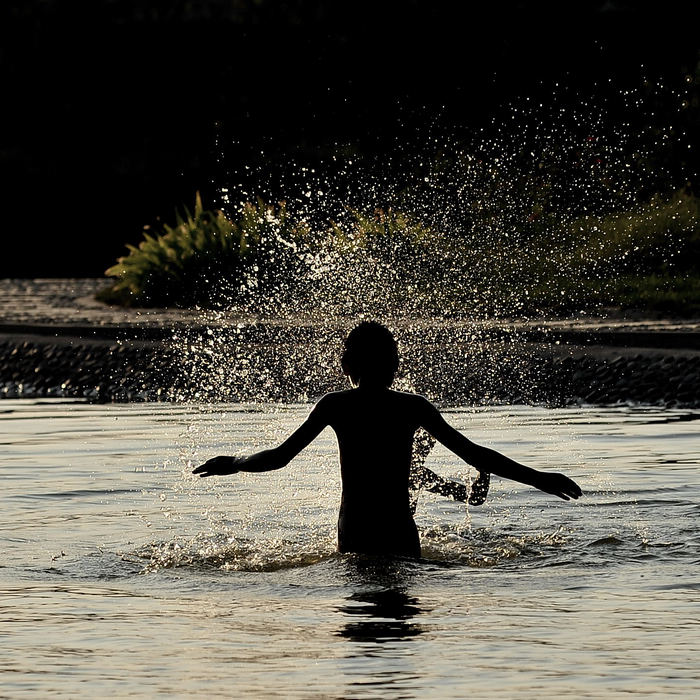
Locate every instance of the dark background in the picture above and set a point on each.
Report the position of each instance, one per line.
(114, 113)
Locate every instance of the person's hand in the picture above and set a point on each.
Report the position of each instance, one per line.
(480, 489)
(558, 485)
(219, 466)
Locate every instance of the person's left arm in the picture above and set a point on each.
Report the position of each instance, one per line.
(275, 458)
(487, 460)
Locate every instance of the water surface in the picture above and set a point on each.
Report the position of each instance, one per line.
(122, 575)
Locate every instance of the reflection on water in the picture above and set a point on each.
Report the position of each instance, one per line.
(380, 616)
(122, 572)
(379, 607)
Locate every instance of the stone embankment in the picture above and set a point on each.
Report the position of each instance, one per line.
(55, 340)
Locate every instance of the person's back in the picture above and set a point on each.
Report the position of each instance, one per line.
(375, 429)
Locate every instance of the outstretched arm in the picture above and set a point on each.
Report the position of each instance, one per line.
(488, 460)
(274, 458)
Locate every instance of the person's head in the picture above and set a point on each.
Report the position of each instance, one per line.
(370, 356)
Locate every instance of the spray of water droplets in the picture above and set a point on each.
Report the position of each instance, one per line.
(449, 242)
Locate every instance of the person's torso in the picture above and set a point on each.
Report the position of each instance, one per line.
(375, 437)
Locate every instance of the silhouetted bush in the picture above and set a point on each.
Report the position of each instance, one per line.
(206, 259)
(389, 261)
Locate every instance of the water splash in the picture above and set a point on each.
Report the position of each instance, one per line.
(224, 552)
(441, 544)
(485, 548)
(449, 243)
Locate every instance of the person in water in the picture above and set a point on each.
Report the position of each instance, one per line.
(375, 428)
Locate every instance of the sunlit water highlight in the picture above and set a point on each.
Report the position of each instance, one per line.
(123, 574)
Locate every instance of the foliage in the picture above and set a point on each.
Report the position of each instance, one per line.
(384, 260)
(664, 232)
(647, 257)
(202, 260)
(389, 262)
(643, 258)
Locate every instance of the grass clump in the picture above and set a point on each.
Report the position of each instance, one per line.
(382, 261)
(646, 258)
(205, 259)
(390, 262)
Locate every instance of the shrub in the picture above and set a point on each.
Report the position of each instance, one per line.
(205, 259)
(644, 257)
(382, 262)
(390, 262)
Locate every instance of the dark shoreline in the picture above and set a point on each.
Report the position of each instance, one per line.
(286, 365)
(56, 340)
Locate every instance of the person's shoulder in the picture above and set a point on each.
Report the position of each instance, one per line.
(336, 395)
(410, 398)
(332, 405)
(403, 395)
(409, 395)
(333, 398)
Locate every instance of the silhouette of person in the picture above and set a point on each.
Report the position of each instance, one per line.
(375, 427)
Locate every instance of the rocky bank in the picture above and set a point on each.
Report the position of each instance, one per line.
(56, 341)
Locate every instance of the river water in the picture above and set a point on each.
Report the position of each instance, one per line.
(122, 575)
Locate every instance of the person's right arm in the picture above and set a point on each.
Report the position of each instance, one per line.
(274, 458)
(488, 460)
